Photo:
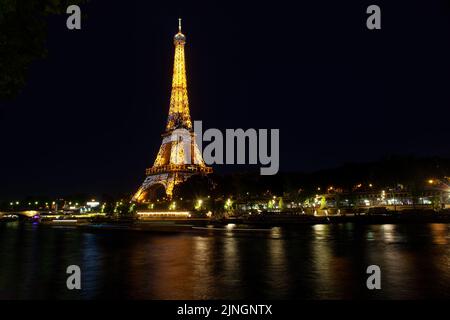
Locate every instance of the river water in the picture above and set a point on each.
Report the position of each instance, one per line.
(306, 262)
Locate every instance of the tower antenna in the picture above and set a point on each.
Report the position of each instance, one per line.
(179, 24)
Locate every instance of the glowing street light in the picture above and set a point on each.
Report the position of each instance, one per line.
(199, 204)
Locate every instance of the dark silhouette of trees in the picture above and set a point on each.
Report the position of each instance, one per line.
(23, 32)
(412, 172)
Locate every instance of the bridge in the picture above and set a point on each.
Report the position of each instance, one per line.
(25, 213)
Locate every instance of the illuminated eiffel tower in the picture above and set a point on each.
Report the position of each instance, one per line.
(179, 156)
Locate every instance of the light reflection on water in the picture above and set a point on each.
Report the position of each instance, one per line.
(305, 262)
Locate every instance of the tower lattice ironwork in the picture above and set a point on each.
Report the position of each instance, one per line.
(179, 156)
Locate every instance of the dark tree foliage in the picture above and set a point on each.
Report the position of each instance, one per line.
(390, 171)
(197, 186)
(23, 33)
(409, 171)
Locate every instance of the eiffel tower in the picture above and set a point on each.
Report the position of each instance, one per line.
(179, 156)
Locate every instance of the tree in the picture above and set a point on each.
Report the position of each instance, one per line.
(195, 187)
(23, 34)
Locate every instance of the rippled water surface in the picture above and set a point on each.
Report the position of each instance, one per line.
(307, 262)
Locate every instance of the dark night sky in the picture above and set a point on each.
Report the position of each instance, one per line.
(90, 117)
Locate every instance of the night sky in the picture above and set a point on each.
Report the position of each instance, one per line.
(90, 117)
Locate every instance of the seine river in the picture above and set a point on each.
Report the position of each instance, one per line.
(307, 262)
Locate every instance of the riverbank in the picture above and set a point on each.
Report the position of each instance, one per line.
(392, 218)
(260, 223)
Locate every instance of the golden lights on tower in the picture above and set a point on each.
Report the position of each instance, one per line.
(179, 156)
(179, 103)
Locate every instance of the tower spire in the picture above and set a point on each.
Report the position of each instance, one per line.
(179, 116)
